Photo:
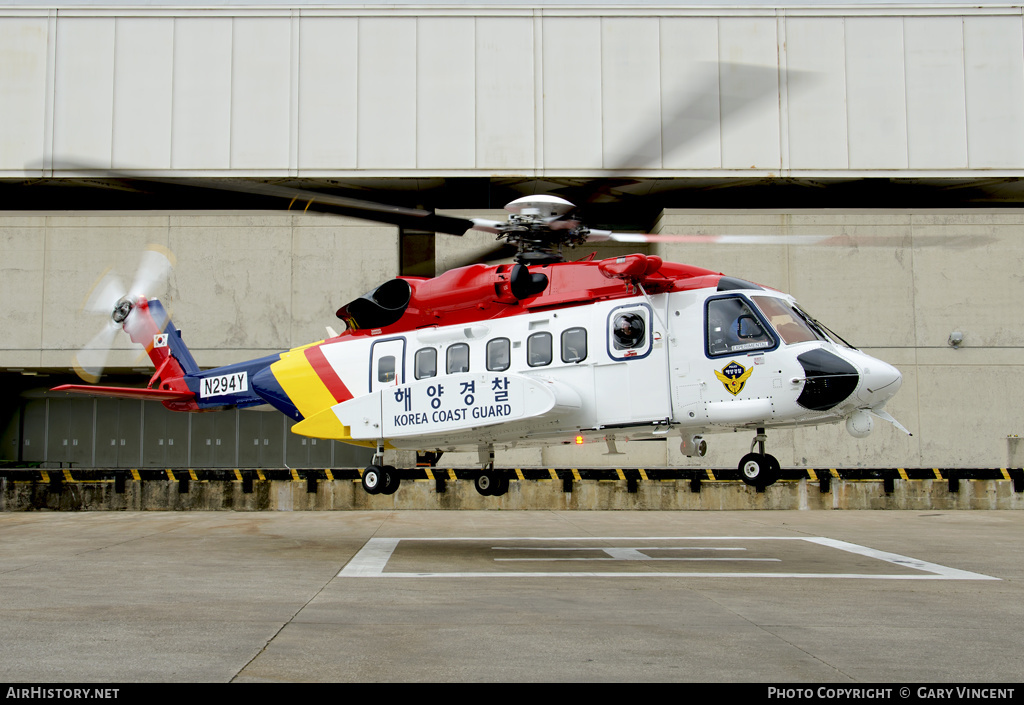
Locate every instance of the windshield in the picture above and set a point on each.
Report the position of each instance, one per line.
(793, 327)
(792, 324)
(822, 329)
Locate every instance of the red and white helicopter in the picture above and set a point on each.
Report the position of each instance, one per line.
(490, 357)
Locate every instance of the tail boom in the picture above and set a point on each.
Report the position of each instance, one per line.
(147, 324)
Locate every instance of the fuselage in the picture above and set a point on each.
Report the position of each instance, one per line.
(631, 347)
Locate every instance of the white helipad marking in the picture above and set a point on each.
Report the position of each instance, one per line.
(372, 559)
(628, 554)
(948, 573)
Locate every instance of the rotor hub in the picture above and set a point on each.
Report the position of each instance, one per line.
(539, 226)
(121, 310)
(540, 207)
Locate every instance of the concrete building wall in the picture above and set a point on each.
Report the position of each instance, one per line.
(461, 90)
(244, 285)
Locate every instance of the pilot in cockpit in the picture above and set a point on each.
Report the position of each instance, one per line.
(722, 330)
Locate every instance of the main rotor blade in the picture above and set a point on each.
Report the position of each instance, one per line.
(489, 226)
(809, 240)
(495, 254)
(601, 235)
(714, 96)
(300, 199)
(288, 198)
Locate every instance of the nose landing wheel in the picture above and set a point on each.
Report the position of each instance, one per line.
(759, 469)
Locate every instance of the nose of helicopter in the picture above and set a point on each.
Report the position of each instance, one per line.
(846, 377)
(879, 381)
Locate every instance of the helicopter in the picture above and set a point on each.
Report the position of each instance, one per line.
(523, 354)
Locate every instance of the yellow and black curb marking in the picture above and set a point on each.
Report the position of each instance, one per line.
(56, 478)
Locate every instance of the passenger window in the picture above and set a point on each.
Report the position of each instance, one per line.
(458, 358)
(499, 355)
(538, 349)
(629, 331)
(733, 327)
(386, 369)
(426, 363)
(574, 345)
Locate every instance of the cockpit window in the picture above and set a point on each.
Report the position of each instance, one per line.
(821, 329)
(794, 324)
(733, 327)
(788, 323)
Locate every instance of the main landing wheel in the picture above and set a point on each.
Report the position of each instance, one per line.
(391, 480)
(491, 484)
(373, 479)
(500, 486)
(759, 470)
(379, 479)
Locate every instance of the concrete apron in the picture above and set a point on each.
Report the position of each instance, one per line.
(342, 495)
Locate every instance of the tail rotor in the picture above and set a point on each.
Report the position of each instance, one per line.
(111, 299)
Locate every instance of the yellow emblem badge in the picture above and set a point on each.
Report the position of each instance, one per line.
(734, 376)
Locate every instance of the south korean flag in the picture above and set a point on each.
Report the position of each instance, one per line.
(160, 340)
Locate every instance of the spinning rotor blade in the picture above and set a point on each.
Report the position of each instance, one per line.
(91, 359)
(604, 235)
(109, 297)
(341, 205)
(808, 240)
(488, 226)
(105, 294)
(495, 254)
(154, 270)
(711, 96)
(288, 198)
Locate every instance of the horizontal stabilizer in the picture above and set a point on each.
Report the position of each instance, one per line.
(125, 392)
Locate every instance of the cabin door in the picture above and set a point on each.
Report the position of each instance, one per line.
(631, 383)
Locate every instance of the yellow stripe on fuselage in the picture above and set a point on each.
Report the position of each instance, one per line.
(326, 425)
(301, 383)
(323, 425)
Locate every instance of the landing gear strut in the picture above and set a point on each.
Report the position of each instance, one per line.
(490, 482)
(759, 469)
